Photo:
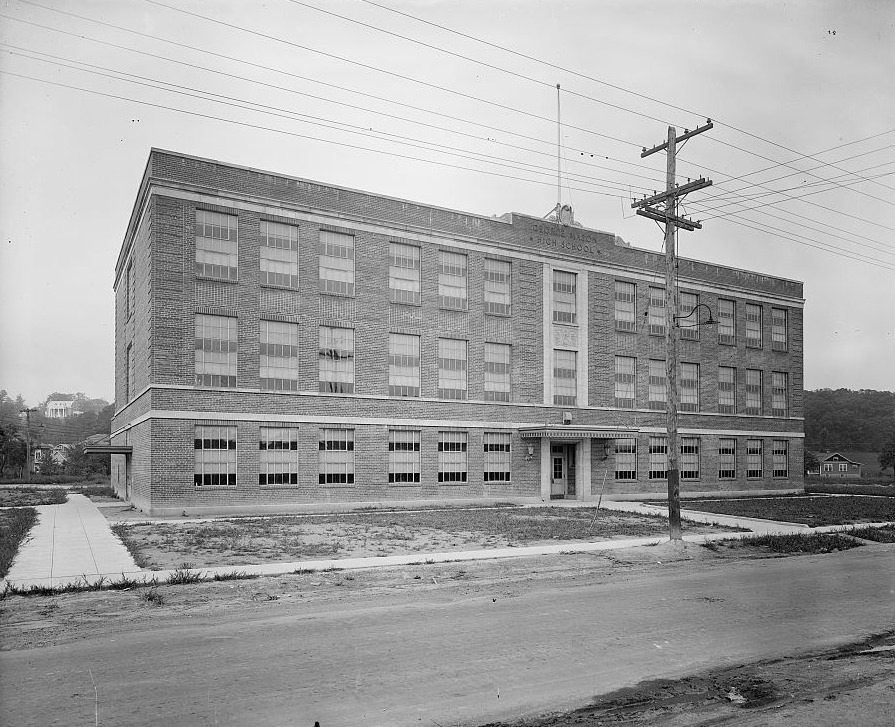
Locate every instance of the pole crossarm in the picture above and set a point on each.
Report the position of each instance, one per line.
(683, 137)
(678, 191)
(660, 216)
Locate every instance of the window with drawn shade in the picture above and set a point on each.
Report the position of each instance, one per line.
(565, 377)
(565, 297)
(404, 273)
(498, 287)
(625, 381)
(727, 390)
(779, 394)
(452, 457)
(279, 254)
(753, 325)
(215, 456)
(497, 371)
(403, 456)
(217, 245)
(451, 368)
(624, 306)
(727, 330)
(336, 360)
(278, 456)
(753, 458)
(727, 459)
(335, 252)
(496, 446)
(689, 386)
(689, 458)
(658, 396)
(403, 365)
(658, 458)
(336, 457)
(279, 356)
(452, 276)
(656, 317)
(216, 351)
(753, 391)
(689, 326)
(778, 329)
(780, 456)
(625, 459)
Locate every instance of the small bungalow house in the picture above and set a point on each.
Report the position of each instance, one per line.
(838, 466)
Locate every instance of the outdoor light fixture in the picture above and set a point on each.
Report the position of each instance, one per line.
(607, 449)
(709, 322)
(529, 452)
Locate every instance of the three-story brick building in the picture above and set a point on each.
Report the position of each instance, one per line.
(282, 343)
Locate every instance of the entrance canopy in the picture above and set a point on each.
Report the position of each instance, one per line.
(581, 432)
(108, 449)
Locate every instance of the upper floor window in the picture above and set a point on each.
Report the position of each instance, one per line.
(403, 456)
(129, 369)
(279, 356)
(727, 390)
(336, 254)
(658, 397)
(727, 329)
(779, 340)
(565, 377)
(656, 311)
(753, 325)
(278, 456)
(336, 360)
(279, 254)
(451, 368)
(779, 393)
(497, 286)
(452, 274)
(215, 456)
(565, 297)
(689, 387)
(404, 273)
(625, 319)
(625, 381)
(497, 456)
(753, 391)
(498, 359)
(689, 326)
(216, 351)
(217, 248)
(128, 289)
(403, 365)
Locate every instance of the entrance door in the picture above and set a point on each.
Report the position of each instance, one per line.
(559, 475)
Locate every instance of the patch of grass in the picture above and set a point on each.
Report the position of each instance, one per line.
(132, 545)
(796, 543)
(184, 574)
(847, 489)
(31, 496)
(812, 510)
(153, 596)
(94, 491)
(14, 528)
(124, 583)
(234, 575)
(879, 535)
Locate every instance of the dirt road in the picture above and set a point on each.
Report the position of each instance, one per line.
(431, 645)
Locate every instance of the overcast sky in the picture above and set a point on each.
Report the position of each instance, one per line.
(800, 92)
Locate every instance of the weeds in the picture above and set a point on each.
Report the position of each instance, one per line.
(14, 528)
(133, 547)
(884, 534)
(30, 496)
(184, 574)
(154, 596)
(797, 543)
(234, 575)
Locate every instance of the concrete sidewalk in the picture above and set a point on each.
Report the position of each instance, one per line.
(70, 542)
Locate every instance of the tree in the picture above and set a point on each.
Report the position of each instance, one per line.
(12, 450)
(887, 456)
(812, 463)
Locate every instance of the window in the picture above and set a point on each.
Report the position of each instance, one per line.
(843, 468)
(753, 458)
(403, 365)
(497, 371)
(336, 254)
(689, 387)
(565, 297)
(451, 368)
(498, 295)
(129, 373)
(658, 458)
(336, 360)
(215, 449)
(753, 325)
(216, 351)
(727, 327)
(753, 391)
(565, 377)
(778, 329)
(727, 459)
(657, 385)
(403, 457)
(690, 458)
(779, 394)
(278, 453)
(689, 327)
(217, 248)
(279, 254)
(828, 467)
(403, 273)
(451, 280)
(656, 311)
(497, 457)
(624, 306)
(625, 459)
(279, 356)
(336, 460)
(780, 458)
(625, 381)
(452, 456)
(727, 390)
(128, 289)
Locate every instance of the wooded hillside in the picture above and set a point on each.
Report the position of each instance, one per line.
(843, 419)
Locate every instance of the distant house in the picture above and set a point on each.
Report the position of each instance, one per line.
(836, 465)
(59, 409)
(58, 453)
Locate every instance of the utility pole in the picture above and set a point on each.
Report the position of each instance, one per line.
(672, 193)
(27, 413)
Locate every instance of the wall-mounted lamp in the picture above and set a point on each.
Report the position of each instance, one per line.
(695, 324)
(529, 452)
(607, 448)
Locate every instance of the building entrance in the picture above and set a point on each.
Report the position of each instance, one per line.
(562, 472)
